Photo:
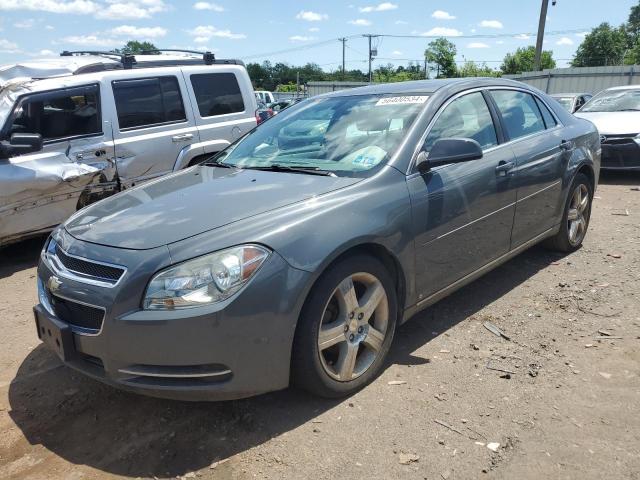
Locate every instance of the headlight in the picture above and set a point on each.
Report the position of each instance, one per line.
(204, 280)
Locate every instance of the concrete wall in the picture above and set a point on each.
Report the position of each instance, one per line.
(580, 79)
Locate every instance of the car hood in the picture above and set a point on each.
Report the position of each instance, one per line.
(613, 123)
(192, 202)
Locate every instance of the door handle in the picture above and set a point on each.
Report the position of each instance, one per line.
(182, 138)
(504, 168)
(567, 145)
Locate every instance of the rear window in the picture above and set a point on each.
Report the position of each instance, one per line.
(148, 101)
(519, 111)
(217, 94)
(549, 119)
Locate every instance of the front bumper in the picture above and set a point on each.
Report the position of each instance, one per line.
(237, 348)
(620, 154)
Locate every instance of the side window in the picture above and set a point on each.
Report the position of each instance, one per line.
(217, 93)
(549, 119)
(60, 114)
(465, 117)
(519, 111)
(148, 101)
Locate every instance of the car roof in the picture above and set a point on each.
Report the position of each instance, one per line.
(572, 94)
(428, 86)
(625, 87)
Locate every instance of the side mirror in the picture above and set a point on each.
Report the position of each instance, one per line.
(21, 143)
(449, 150)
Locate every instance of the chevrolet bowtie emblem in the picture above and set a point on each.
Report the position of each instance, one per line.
(53, 283)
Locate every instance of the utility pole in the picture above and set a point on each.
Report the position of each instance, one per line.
(344, 41)
(372, 53)
(540, 39)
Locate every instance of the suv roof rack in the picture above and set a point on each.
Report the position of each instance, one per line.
(129, 61)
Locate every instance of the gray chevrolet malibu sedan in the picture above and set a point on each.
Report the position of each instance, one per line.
(293, 255)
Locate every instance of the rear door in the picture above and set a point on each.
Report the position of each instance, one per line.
(152, 125)
(223, 105)
(76, 165)
(537, 139)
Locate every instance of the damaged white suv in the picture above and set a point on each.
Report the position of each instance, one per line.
(83, 126)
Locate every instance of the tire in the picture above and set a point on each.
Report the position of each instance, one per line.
(354, 347)
(564, 240)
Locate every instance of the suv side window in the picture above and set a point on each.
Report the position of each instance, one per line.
(549, 119)
(519, 111)
(217, 93)
(466, 117)
(147, 102)
(60, 114)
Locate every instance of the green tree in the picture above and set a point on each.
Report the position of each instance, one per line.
(443, 53)
(473, 69)
(523, 60)
(134, 46)
(604, 45)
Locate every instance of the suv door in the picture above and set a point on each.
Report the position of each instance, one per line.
(76, 165)
(153, 126)
(462, 213)
(542, 153)
(222, 113)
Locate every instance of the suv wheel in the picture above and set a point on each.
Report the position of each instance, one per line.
(346, 328)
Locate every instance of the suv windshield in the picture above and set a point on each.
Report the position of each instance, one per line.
(347, 136)
(614, 101)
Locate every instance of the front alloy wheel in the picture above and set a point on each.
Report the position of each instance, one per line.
(354, 326)
(345, 328)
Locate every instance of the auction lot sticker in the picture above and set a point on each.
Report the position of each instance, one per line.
(402, 99)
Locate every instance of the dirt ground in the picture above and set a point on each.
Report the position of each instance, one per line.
(561, 397)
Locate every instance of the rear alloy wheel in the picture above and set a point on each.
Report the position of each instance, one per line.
(575, 220)
(346, 328)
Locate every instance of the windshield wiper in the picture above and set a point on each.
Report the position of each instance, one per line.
(213, 163)
(309, 170)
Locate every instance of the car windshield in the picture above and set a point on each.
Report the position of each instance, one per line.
(614, 101)
(347, 135)
(566, 102)
(7, 99)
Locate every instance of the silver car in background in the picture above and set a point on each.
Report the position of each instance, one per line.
(572, 101)
(616, 114)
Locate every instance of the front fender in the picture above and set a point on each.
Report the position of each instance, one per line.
(194, 150)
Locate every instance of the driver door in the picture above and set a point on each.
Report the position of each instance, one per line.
(462, 213)
(75, 166)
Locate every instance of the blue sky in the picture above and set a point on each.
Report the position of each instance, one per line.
(290, 31)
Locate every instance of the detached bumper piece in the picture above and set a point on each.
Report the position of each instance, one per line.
(620, 152)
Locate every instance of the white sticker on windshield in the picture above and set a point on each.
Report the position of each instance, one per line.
(402, 99)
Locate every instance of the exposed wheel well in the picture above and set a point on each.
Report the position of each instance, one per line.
(588, 172)
(388, 260)
(200, 159)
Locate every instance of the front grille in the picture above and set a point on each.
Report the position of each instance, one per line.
(77, 314)
(88, 268)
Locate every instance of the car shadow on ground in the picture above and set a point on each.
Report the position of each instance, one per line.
(85, 422)
(608, 177)
(20, 256)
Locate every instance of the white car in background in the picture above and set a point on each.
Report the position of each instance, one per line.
(616, 114)
(572, 102)
(265, 97)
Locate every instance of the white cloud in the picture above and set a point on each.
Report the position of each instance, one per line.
(442, 15)
(49, 27)
(8, 47)
(311, 16)
(564, 41)
(360, 22)
(491, 24)
(132, 9)
(139, 32)
(401, 22)
(499, 42)
(214, 7)
(314, 29)
(47, 53)
(381, 7)
(80, 7)
(27, 23)
(522, 36)
(396, 53)
(477, 45)
(91, 41)
(582, 34)
(301, 38)
(203, 33)
(441, 32)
